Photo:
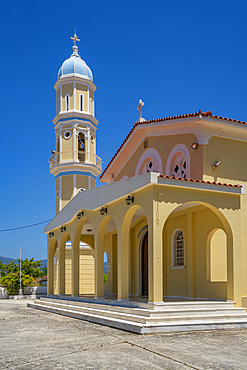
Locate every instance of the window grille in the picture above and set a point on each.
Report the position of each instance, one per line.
(178, 248)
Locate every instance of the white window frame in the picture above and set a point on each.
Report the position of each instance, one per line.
(67, 102)
(178, 148)
(174, 250)
(153, 153)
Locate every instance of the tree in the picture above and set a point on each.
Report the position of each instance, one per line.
(10, 273)
(12, 282)
(44, 271)
(31, 267)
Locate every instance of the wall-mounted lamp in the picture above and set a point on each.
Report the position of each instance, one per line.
(51, 233)
(80, 214)
(194, 146)
(89, 230)
(62, 229)
(103, 211)
(216, 165)
(129, 200)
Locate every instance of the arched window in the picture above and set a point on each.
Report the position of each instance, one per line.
(178, 163)
(67, 98)
(150, 161)
(178, 167)
(91, 105)
(178, 248)
(81, 102)
(149, 165)
(81, 147)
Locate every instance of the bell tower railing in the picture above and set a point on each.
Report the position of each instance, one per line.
(79, 157)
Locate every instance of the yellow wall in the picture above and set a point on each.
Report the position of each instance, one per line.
(217, 249)
(233, 156)
(81, 182)
(57, 197)
(91, 96)
(164, 145)
(93, 183)
(81, 89)
(67, 145)
(57, 97)
(176, 279)
(86, 277)
(92, 150)
(67, 189)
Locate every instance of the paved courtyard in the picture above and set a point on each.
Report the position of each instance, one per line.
(32, 339)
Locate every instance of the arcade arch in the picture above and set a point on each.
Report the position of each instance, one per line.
(204, 274)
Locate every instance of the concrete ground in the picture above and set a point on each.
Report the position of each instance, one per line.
(32, 339)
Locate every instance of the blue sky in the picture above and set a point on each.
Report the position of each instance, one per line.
(177, 56)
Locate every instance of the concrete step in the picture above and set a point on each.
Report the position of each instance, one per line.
(149, 320)
(146, 325)
(151, 315)
(126, 306)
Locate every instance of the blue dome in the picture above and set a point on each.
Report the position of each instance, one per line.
(75, 65)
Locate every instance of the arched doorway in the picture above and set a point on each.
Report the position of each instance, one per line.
(144, 265)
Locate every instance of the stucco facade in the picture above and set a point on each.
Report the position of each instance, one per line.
(171, 218)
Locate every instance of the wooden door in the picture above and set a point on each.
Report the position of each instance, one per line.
(145, 265)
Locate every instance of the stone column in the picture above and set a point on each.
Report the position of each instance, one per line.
(155, 262)
(99, 265)
(61, 269)
(75, 267)
(123, 263)
(190, 261)
(50, 269)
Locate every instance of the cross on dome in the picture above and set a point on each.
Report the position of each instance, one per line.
(75, 38)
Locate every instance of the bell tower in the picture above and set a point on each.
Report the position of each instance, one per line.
(74, 163)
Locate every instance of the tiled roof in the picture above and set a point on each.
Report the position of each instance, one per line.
(204, 114)
(202, 181)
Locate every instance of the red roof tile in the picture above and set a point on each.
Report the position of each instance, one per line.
(202, 181)
(204, 114)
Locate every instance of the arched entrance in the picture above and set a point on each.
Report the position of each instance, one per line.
(144, 265)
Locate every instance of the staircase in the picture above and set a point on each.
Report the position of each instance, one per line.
(170, 316)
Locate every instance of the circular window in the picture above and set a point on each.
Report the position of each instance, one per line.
(92, 138)
(67, 134)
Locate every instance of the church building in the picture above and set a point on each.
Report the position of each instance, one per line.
(171, 219)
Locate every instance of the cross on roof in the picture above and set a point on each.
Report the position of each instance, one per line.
(139, 107)
(75, 38)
